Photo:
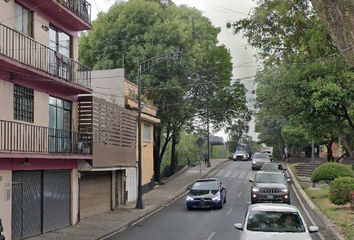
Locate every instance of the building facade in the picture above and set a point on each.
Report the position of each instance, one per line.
(40, 145)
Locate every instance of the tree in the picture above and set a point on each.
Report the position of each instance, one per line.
(138, 30)
(339, 20)
(310, 84)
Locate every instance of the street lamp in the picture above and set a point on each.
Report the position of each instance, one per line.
(143, 66)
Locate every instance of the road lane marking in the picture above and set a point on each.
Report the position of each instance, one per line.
(228, 174)
(234, 174)
(229, 212)
(307, 213)
(239, 194)
(242, 175)
(211, 236)
(219, 173)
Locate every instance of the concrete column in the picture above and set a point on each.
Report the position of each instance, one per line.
(5, 201)
(74, 196)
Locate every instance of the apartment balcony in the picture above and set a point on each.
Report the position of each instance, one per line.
(18, 139)
(74, 15)
(24, 59)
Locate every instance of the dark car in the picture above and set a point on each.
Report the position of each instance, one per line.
(270, 187)
(258, 159)
(206, 193)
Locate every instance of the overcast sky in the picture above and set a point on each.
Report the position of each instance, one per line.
(219, 12)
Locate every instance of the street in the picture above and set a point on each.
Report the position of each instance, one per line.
(176, 222)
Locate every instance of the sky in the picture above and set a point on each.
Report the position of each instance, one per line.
(220, 12)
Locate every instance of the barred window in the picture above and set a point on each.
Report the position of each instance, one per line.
(23, 103)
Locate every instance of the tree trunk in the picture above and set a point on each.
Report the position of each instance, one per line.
(330, 157)
(157, 160)
(174, 161)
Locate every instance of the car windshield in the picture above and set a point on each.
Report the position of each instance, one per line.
(261, 155)
(266, 221)
(269, 178)
(241, 152)
(270, 167)
(205, 185)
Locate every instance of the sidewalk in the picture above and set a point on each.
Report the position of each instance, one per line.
(99, 226)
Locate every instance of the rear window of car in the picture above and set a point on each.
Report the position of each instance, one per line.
(270, 177)
(267, 221)
(205, 185)
(269, 167)
(261, 155)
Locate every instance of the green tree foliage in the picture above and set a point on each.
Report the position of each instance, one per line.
(305, 89)
(327, 172)
(138, 30)
(341, 189)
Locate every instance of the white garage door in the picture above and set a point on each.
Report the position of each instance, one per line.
(95, 193)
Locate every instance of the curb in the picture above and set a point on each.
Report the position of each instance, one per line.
(331, 227)
(167, 202)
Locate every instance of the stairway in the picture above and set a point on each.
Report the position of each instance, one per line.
(305, 169)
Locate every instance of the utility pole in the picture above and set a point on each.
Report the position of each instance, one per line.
(313, 157)
(143, 66)
(208, 140)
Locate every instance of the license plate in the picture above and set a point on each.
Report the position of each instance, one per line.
(269, 197)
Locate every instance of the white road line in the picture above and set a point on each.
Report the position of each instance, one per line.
(219, 173)
(239, 194)
(228, 174)
(211, 236)
(307, 213)
(229, 212)
(234, 174)
(242, 175)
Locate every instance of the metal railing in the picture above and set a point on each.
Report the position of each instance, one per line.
(80, 7)
(25, 50)
(20, 137)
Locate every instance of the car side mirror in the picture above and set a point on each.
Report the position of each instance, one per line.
(251, 180)
(189, 188)
(238, 226)
(284, 169)
(313, 229)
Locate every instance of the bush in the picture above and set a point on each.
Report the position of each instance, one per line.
(341, 189)
(327, 172)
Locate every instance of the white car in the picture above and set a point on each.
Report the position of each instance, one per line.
(267, 221)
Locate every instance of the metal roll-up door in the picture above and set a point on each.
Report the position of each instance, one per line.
(56, 200)
(26, 204)
(95, 193)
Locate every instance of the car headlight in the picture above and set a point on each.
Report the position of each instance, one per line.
(217, 198)
(285, 190)
(189, 198)
(255, 189)
(253, 161)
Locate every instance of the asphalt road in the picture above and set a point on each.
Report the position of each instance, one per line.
(175, 222)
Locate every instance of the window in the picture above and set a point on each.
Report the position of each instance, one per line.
(23, 103)
(59, 125)
(24, 20)
(60, 61)
(147, 132)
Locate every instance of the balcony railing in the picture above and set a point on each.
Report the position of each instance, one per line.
(20, 137)
(80, 7)
(27, 51)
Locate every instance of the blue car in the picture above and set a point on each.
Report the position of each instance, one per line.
(206, 193)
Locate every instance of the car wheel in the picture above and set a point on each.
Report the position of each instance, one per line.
(253, 201)
(224, 199)
(253, 168)
(189, 208)
(221, 205)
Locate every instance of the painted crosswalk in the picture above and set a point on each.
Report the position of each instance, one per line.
(232, 174)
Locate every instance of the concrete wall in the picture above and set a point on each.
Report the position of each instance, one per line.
(5, 201)
(147, 155)
(109, 85)
(131, 184)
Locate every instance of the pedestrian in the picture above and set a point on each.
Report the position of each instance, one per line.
(205, 158)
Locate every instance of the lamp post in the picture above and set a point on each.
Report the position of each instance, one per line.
(143, 66)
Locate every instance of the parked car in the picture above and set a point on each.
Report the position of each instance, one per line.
(273, 167)
(258, 159)
(274, 221)
(270, 187)
(241, 155)
(206, 193)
